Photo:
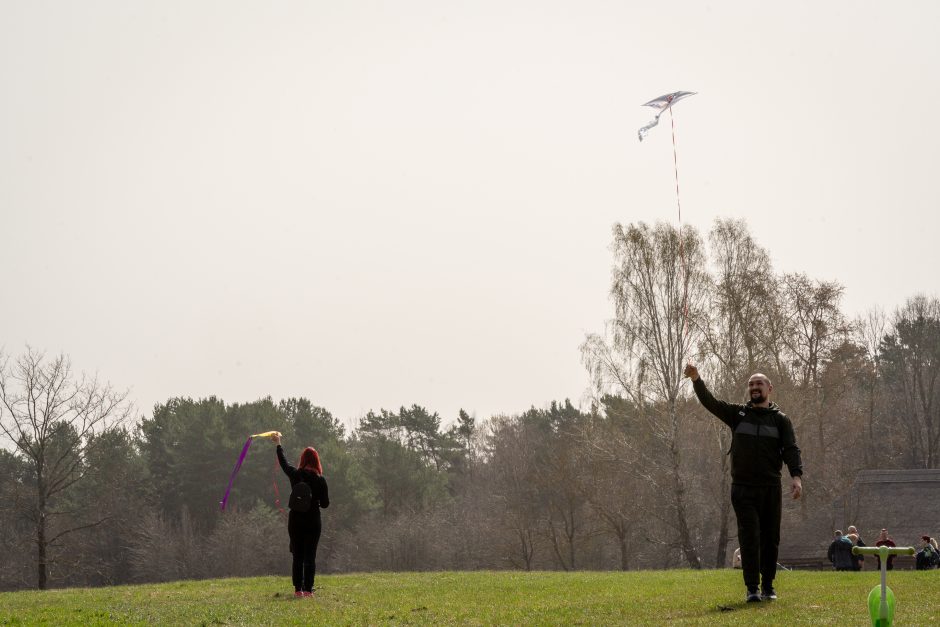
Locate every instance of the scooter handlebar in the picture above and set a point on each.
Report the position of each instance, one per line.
(883, 550)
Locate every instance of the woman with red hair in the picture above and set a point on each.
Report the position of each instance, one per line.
(303, 522)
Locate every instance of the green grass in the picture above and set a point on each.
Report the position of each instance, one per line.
(475, 598)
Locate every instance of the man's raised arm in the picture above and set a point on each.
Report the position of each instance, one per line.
(724, 411)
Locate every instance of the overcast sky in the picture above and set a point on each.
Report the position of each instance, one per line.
(374, 204)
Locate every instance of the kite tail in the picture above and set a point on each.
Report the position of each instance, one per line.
(646, 129)
(235, 470)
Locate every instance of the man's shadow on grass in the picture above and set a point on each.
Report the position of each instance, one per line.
(724, 608)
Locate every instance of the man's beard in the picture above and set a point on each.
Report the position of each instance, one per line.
(758, 398)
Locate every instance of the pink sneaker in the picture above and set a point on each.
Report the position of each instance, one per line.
(308, 594)
(298, 594)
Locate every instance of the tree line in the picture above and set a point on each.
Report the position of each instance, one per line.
(637, 479)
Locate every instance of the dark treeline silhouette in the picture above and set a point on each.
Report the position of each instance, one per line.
(639, 479)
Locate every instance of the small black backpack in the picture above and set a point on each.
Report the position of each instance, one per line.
(301, 497)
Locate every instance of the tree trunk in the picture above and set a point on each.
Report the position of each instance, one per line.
(527, 549)
(624, 561)
(553, 535)
(570, 533)
(41, 543)
(724, 516)
(870, 449)
(685, 537)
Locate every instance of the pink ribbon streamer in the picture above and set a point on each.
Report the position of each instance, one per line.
(235, 470)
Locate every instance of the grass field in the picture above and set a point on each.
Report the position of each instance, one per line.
(680, 597)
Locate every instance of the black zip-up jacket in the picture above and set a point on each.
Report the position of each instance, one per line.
(762, 439)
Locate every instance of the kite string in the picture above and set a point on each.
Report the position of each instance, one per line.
(685, 271)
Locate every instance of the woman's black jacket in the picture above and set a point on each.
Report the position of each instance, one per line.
(301, 521)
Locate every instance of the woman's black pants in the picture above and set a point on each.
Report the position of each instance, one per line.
(303, 544)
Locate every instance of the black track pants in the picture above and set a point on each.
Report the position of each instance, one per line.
(757, 509)
(303, 544)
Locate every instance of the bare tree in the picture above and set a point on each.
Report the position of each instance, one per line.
(740, 304)
(817, 325)
(910, 356)
(514, 487)
(564, 515)
(619, 488)
(842, 394)
(658, 290)
(51, 417)
(871, 330)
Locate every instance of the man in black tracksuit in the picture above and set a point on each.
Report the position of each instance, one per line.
(762, 440)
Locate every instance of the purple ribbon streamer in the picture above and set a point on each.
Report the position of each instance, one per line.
(235, 470)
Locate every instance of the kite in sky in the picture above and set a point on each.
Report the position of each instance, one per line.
(662, 103)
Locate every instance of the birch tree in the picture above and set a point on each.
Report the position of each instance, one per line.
(659, 288)
(52, 416)
(740, 304)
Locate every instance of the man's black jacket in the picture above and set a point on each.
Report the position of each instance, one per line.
(762, 440)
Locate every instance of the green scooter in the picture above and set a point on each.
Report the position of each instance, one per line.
(881, 599)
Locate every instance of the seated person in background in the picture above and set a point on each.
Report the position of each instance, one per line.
(885, 540)
(926, 558)
(857, 560)
(857, 542)
(840, 552)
